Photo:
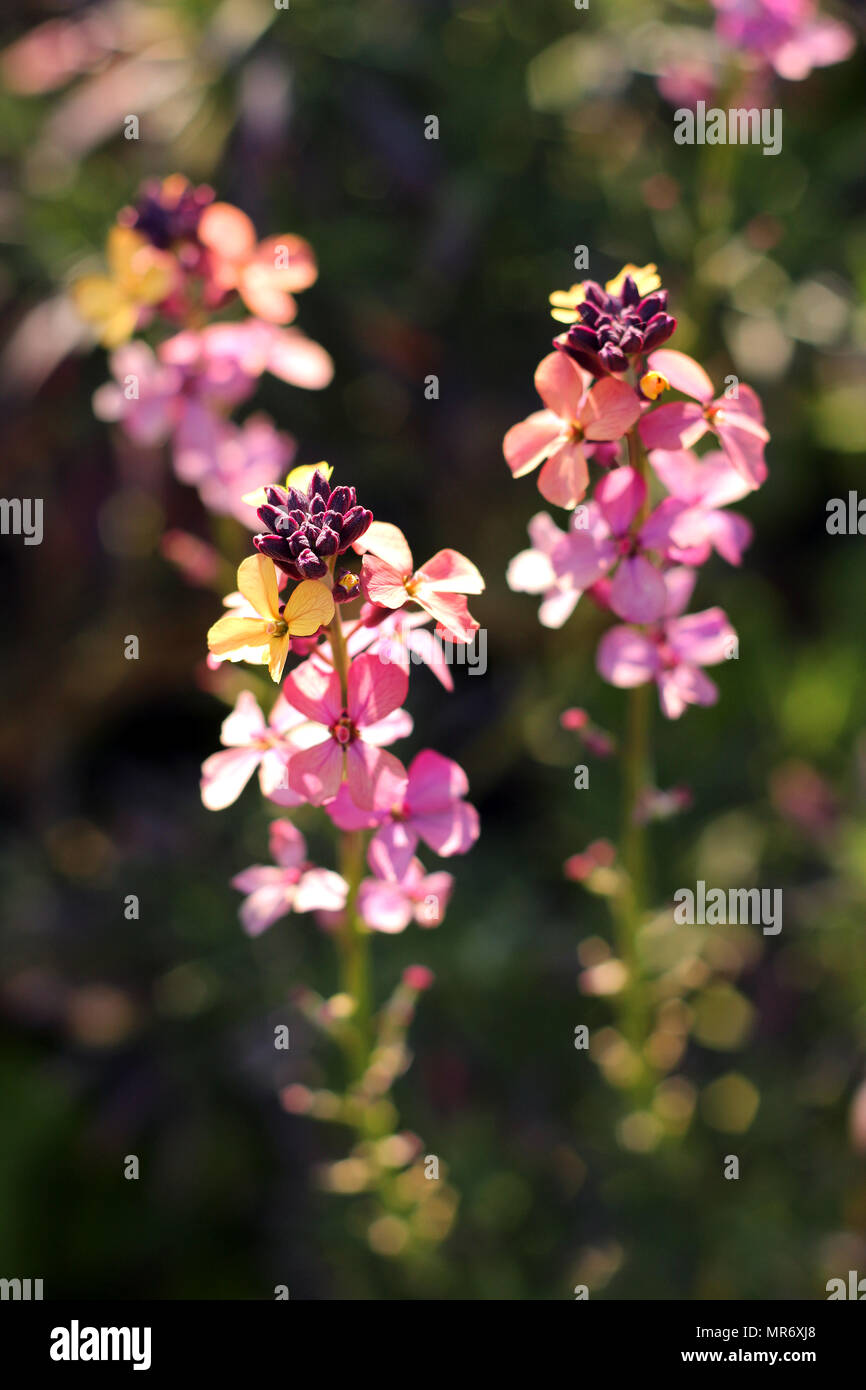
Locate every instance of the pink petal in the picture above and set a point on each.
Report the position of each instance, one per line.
(702, 639)
(564, 479)
(321, 890)
(676, 426)
(398, 724)
(558, 605)
(620, 494)
(451, 612)
(434, 782)
(530, 572)
(544, 533)
(743, 440)
(729, 533)
(683, 373)
(609, 410)
(679, 583)
(583, 558)
(432, 898)
(295, 358)
(371, 774)
(450, 572)
(274, 779)
(382, 584)
(391, 850)
(452, 830)
(423, 645)
(375, 688)
(224, 776)
(637, 591)
(287, 845)
(626, 658)
(316, 773)
(526, 444)
(245, 724)
(561, 384)
(314, 693)
(683, 686)
(388, 543)
(384, 906)
(347, 816)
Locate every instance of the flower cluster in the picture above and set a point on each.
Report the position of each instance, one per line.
(177, 258)
(326, 740)
(658, 507)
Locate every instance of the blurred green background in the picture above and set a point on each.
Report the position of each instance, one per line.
(154, 1037)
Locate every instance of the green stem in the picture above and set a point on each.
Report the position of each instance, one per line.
(353, 942)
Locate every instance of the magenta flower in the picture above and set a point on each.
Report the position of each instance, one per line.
(252, 742)
(564, 433)
(348, 738)
(389, 905)
(787, 34)
(389, 579)
(292, 886)
(672, 652)
(636, 591)
(689, 524)
(428, 805)
(738, 423)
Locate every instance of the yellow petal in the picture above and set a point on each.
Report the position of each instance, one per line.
(96, 297)
(256, 498)
(302, 477)
(257, 581)
(151, 285)
(279, 651)
(564, 302)
(646, 277)
(120, 326)
(310, 607)
(120, 249)
(231, 634)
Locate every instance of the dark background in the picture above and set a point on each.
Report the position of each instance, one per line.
(154, 1037)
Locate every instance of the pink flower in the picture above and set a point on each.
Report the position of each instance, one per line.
(293, 886)
(536, 571)
(389, 905)
(265, 275)
(737, 423)
(785, 33)
(227, 461)
(348, 738)
(637, 590)
(672, 652)
(563, 433)
(223, 361)
(144, 396)
(689, 524)
(400, 638)
(427, 805)
(252, 742)
(389, 579)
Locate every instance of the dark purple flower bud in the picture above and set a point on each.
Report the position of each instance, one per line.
(275, 547)
(630, 295)
(658, 330)
(341, 499)
(327, 541)
(319, 487)
(310, 566)
(355, 523)
(277, 496)
(269, 516)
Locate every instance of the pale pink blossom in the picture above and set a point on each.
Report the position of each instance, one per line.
(252, 743)
(690, 523)
(562, 436)
(389, 905)
(349, 738)
(790, 35)
(672, 652)
(608, 543)
(737, 422)
(291, 885)
(427, 805)
(389, 579)
(537, 571)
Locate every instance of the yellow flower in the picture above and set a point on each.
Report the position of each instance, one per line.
(138, 274)
(565, 302)
(266, 634)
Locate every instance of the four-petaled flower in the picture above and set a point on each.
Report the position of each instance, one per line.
(292, 885)
(389, 579)
(563, 434)
(390, 904)
(265, 635)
